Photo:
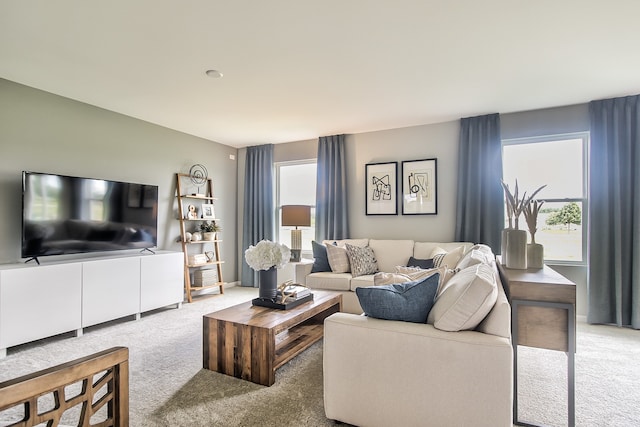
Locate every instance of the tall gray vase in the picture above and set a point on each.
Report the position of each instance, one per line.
(517, 249)
(268, 284)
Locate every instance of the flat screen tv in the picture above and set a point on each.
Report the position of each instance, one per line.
(70, 215)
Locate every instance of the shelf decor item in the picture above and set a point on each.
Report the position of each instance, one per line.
(266, 257)
(209, 230)
(199, 176)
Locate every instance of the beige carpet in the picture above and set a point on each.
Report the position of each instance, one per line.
(168, 386)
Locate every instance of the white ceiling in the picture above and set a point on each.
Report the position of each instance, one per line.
(296, 69)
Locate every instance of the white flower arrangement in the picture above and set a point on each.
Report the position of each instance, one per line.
(267, 254)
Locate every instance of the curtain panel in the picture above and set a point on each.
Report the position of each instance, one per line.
(259, 218)
(331, 189)
(480, 200)
(614, 212)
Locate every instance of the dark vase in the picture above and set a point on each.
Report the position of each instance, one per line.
(268, 284)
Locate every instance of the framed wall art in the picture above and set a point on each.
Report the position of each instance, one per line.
(419, 187)
(381, 188)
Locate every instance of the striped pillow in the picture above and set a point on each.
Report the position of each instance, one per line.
(338, 259)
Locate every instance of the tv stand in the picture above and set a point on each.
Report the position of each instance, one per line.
(35, 258)
(69, 295)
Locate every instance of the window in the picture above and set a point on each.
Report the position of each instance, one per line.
(559, 162)
(296, 185)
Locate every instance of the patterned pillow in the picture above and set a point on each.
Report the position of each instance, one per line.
(338, 259)
(443, 258)
(362, 260)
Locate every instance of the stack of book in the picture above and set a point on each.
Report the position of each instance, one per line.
(294, 292)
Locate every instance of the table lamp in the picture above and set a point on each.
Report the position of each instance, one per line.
(296, 216)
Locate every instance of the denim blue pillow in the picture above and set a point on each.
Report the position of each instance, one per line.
(320, 260)
(409, 301)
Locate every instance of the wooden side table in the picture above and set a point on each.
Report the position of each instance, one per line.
(251, 342)
(543, 315)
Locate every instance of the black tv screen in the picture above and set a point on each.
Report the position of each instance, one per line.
(70, 215)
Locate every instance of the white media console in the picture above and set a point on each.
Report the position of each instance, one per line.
(39, 301)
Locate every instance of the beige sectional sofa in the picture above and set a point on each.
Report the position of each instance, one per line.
(394, 373)
(389, 254)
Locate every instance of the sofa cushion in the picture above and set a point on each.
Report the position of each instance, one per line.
(361, 282)
(472, 257)
(362, 260)
(421, 263)
(320, 260)
(390, 253)
(338, 258)
(329, 281)
(355, 242)
(408, 302)
(416, 273)
(465, 300)
(443, 258)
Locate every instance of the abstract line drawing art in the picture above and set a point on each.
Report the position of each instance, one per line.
(419, 187)
(381, 188)
(419, 184)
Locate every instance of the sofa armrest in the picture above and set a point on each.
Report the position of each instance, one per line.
(367, 362)
(302, 270)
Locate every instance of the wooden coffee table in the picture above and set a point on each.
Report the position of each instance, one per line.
(251, 342)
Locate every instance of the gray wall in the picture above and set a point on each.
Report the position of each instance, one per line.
(429, 141)
(43, 132)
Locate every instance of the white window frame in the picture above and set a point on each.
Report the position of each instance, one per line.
(279, 165)
(584, 136)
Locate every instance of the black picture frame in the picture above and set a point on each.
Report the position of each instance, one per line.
(381, 188)
(420, 187)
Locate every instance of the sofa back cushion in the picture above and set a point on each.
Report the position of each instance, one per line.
(390, 253)
(466, 299)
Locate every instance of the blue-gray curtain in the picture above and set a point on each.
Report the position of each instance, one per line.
(259, 218)
(480, 201)
(331, 189)
(614, 212)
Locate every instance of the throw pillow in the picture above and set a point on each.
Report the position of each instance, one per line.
(422, 263)
(380, 278)
(338, 259)
(465, 300)
(408, 302)
(415, 273)
(320, 260)
(443, 258)
(362, 260)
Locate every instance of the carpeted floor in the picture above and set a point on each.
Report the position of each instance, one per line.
(168, 386)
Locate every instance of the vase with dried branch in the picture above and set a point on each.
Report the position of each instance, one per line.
(514, 240)
(535, 251)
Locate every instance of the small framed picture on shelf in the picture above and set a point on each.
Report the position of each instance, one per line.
(207, 211)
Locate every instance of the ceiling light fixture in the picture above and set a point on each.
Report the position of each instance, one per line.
(215, 74)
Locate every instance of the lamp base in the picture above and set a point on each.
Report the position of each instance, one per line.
(295, 255)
